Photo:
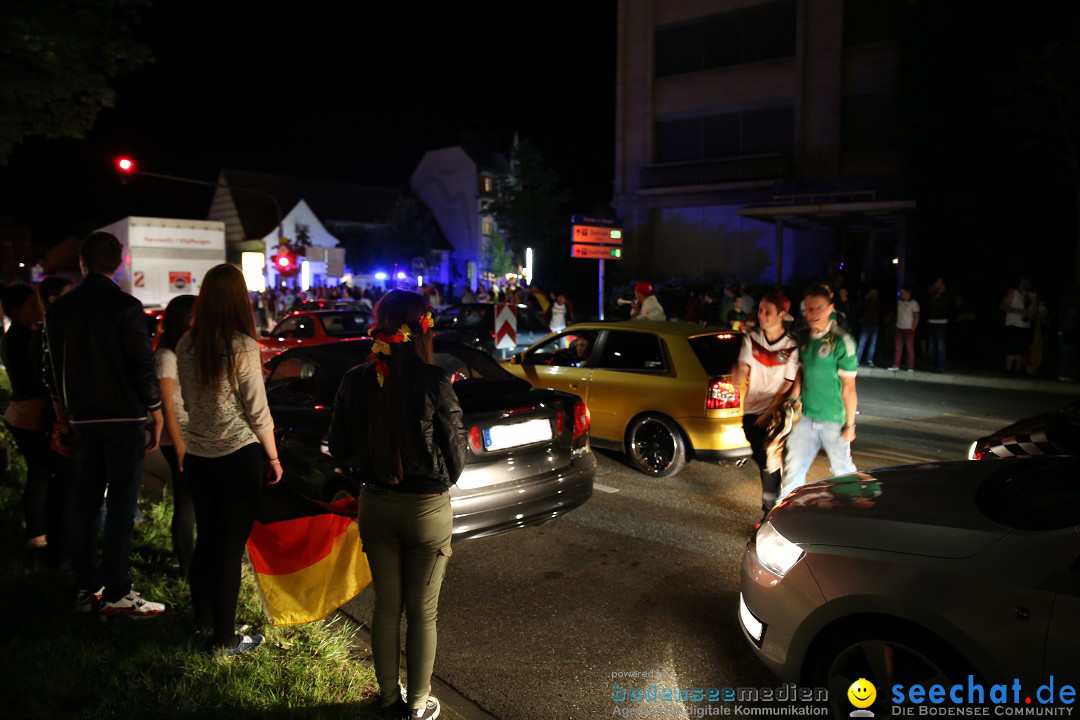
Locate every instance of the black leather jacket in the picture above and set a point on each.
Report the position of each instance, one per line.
(98, 361)
(433, 441)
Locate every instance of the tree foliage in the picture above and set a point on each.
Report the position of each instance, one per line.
(57, 60)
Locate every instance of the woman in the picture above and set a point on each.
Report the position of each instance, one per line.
(176, 322)
(397, 427)
(228, 442)
(24, 416)
(769, 362)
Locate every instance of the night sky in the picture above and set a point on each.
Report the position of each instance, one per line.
(355, 92)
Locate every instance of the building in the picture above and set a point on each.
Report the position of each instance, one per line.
(760, 139)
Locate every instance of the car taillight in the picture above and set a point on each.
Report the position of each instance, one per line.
(476, 440)
(560, 424)
(582, 418)
(721, 396)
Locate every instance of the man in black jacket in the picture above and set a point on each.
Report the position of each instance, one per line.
(100, 373)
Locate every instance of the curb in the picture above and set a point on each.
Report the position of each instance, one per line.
(455, 706)
(1053, 387)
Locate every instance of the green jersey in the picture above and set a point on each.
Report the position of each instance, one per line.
(824, 360)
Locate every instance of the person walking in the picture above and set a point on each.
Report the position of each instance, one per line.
(937, 323)
(769, 363)
(100, 375)
(228, 446)
(907, 320)
(176, 322)
(397, 427)
(826, 387)
(25, 413)
(869, 323)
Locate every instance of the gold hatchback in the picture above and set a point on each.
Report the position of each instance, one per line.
(660, 392)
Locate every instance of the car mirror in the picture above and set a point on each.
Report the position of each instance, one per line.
(518, 359)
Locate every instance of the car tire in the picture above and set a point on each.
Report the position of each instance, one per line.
(655, 445)
(885, 652)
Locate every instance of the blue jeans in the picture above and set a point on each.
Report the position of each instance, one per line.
(867, 334)
(806, 439)
(108, 457)
(938, 332)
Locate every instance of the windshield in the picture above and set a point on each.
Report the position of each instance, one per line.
(718, 352)
(1032, 493)
(463, 363)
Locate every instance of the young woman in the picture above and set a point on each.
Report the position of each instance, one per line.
(397, 427)
(228, 442)
(176, 322)
(24, 415)
(769, 362)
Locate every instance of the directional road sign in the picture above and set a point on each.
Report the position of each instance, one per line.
(505, 326)
(595, 252)
(596, 235)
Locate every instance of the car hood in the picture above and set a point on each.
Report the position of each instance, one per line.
(924, 509)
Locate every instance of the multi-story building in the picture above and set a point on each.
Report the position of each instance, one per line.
(760, 139)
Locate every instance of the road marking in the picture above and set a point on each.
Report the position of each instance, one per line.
(604, 488)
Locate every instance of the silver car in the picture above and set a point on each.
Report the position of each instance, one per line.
(918, 576)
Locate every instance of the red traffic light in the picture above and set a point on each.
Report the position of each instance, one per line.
(125, 165)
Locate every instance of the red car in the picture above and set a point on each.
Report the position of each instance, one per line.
(314, 327)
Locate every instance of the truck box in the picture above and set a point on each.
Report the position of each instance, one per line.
(166, 257)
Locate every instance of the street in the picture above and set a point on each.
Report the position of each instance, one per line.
(645, 576)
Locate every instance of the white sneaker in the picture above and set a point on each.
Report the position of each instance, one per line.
(88, 600)
(132, 606)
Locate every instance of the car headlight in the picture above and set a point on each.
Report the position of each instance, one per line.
(775, 552)
(971, 450)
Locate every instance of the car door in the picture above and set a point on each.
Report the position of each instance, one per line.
(562, 362)
(277, 339)
(631, 367)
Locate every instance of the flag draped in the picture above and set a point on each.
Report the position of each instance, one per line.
(306, 555)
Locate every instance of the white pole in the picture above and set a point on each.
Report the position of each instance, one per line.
(600, 296)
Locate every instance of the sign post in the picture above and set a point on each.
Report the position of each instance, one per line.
(596, 238)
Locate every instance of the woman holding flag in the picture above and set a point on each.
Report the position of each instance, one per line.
(397, 428)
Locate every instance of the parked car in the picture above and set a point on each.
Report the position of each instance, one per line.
(529, 458)
(474, 324)
(920, 574)
(660, 392)
(1052, 433)
(314, 327)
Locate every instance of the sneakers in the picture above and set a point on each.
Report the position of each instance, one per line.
(430, 711)
(131, 606)
(244, 644)
(911, 369)
(87, 600)
(894, 368)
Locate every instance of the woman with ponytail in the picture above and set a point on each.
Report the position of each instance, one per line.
(397, 428)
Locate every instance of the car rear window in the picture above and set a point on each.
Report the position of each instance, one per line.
(718, 352)
(345, 324)
(1032, 494)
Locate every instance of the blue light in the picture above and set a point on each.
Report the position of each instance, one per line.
(380, 276)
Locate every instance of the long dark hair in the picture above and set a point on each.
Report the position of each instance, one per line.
(177, 320)
(386, 404)
(221, 312)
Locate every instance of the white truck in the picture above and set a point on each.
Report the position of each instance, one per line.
(166, 257)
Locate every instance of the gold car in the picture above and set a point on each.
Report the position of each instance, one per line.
(661, 392)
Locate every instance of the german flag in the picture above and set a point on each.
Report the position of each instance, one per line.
(306, 556)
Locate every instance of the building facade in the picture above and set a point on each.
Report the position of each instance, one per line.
(759, 140)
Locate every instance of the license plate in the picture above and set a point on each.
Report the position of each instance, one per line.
(500, 437)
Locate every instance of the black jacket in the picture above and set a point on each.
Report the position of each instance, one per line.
(99, 364)
(433, 441)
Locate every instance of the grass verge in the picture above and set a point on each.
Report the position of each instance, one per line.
(60, 664)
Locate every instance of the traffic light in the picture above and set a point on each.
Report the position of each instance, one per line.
(285, 263)
(126, 166)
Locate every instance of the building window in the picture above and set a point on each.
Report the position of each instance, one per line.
(487, 227)
(761, 131)
(764, 32)
(869, 122)
(870, 21)
(489, 185)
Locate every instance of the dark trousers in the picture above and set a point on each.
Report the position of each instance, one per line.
(770, 482)
(34, 447)
(938, 333)
(226, 492)
(183, 519)
(108, 458)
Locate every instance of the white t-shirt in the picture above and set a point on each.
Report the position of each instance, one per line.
(651, 309)
(165, 367)
(558, 316)
(771, 364)
(905, 313)
(1017, 315)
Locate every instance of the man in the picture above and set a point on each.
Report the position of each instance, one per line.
(100, 373)
(907, 320)
(869, 319)
(826, 386)
(645, 305)
(937, 322)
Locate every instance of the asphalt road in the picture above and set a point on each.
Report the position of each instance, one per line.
(645, 576)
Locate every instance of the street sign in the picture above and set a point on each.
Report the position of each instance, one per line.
(596, 235)
(595, 252)
(505, 326)
(598, 220)
(140, 278)
(179, 281)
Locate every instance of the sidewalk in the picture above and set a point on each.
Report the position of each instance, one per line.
(976, 379)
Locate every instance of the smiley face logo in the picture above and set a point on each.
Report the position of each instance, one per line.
(862, 693)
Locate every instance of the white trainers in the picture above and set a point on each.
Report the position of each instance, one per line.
(430, 711)
(132, 606)
(88, 600)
